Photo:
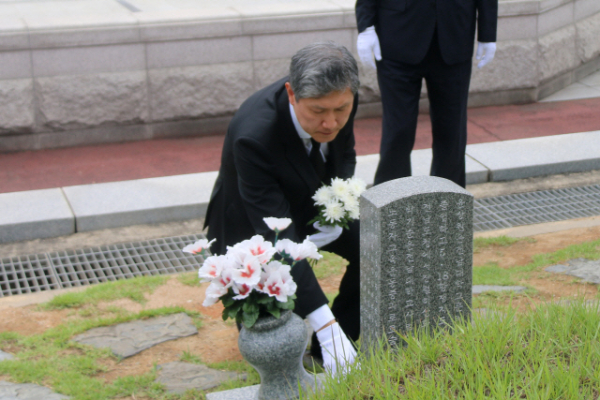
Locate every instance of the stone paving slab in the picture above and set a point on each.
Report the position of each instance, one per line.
(180, 376)
(34, 214)
(5, 356)
(130, 338)
(421, 164)
(245, 393)
(27, 391)
(549, 155)
(478, 289)
(248, 392)
(587, 270)
(142, 201)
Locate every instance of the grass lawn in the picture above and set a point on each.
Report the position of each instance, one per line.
(547, 352)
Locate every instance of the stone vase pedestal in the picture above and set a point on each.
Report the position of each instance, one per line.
(274, 347)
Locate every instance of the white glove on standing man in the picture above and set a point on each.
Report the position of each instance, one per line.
(367, 46)
(326, 234)
(338, 352)
(485, 53)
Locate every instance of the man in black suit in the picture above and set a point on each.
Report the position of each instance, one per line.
(281, 145)
(431, 39)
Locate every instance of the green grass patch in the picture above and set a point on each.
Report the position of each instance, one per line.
(588, 250)
(133, 289)
(52, 359)
(252, 377)
(331, 264)
(500, 241)
(552, 352)
(190, 358)
(189, 279)
(492, 274)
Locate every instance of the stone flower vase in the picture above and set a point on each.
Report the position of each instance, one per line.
(274, 347)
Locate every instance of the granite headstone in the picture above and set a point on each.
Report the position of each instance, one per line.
(416, 256)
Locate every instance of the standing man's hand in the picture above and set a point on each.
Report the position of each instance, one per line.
(485, 53)
(367, 46)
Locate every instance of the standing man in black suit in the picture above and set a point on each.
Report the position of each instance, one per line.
(431, 39)
(281, 145)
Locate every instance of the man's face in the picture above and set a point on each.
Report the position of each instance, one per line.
(322, 118)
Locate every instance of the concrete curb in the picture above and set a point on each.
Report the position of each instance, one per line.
(63, 211)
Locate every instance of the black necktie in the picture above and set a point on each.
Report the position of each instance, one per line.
(316, 159)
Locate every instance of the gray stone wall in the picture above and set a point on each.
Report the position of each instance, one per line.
(122, 75)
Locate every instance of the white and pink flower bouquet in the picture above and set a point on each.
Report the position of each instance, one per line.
(253, 278)
(338, 203)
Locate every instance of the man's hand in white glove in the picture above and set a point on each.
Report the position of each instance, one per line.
(338, 352)
(326, 234)
(367, 46)
(485, 53)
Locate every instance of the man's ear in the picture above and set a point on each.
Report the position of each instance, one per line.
(290, 93)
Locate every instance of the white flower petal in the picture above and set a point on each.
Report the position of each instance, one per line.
(277, 224)
(323, 195)
(214, 291)
(198, 247)
(248, 273)
(212, 267)
(333, 212)
(242, 291)
(357, 186)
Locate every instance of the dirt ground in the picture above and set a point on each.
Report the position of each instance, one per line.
(217, 340)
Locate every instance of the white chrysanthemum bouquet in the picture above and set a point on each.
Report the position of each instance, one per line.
(338, 202)
(250, 279)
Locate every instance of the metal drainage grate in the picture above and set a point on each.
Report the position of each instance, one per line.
(536, 207)
(66, 269)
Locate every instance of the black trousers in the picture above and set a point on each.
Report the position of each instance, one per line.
(448, 90)
(346, 305)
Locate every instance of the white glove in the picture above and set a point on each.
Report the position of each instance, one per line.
(338, 352)
(326, 234)
(367, 46)
(485, 53)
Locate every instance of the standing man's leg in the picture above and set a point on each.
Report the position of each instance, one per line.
(400, 87)
(448, 90)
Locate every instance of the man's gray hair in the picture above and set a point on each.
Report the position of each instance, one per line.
(321, 68)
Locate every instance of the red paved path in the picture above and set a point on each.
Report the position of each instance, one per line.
(134, 160)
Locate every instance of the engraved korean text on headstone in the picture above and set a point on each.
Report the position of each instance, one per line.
(416, 256)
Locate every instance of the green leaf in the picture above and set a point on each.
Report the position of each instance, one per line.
(250, 307)
(227, 300)
(264, 299)
(250, 319)
(275, 312)
(232, 310)
(288, 305)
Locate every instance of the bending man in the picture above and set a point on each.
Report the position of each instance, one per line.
(268, 170)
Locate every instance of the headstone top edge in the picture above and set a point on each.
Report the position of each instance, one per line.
(387, 192)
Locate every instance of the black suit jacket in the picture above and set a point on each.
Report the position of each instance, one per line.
(265, 171)
(405, 27)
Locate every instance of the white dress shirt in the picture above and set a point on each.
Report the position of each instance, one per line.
(306, 137)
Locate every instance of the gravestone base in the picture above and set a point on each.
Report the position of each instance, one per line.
(248, 392)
